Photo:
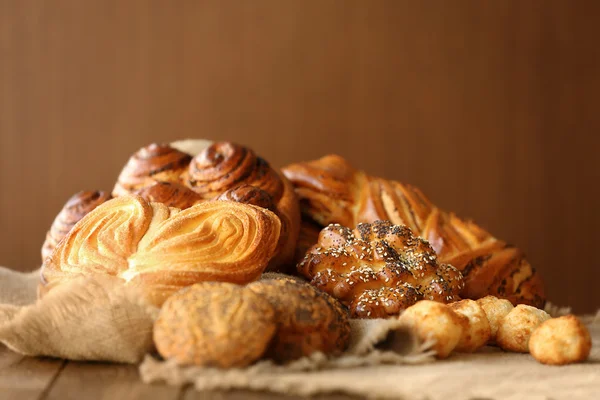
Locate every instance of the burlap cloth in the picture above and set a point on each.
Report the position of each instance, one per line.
(99, 319)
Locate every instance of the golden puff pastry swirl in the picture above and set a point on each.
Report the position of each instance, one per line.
(332, 191)
(165, 174)
(163, 249)
(378, 269)
(75, 208)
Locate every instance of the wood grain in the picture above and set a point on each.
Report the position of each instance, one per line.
(191, 394)
(25, 378)
(490, 107)
(104, 381)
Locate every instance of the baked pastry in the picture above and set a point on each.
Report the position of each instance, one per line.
(76, 208)
(308, 320)
(214, 324)
(495, 310)
(163, 249)
(431, 320)
(151, 164)
(332, 191)
(249, 194)
(378, 269)
(477, 332)
(169, 193)
(560, 341)
(516, 328)
(220, 167)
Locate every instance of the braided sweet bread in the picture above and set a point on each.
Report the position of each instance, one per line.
(332, 191)
(378, 269)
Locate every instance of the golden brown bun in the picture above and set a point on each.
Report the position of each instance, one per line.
(433, 320)
(214, 324)
(332, 191)
(222, 170)
(163, 249)
(516, 328)
(150, 164)
(225, 165)
(378, 269)
(477, 332)
(495, 310)
(76, 208)
(308, 320)
(560, 341)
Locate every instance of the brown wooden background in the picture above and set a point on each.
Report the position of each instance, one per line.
(491, 107)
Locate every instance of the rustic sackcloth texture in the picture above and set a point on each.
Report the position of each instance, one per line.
(90, 318)
(98, 318)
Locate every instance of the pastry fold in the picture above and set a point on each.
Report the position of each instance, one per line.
(163, 249)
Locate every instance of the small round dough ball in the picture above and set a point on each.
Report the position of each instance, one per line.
(430, 319)
(308, 320)
(214, 324)
(516, 328)
(560, 341)
(478, 331)
(495, 309)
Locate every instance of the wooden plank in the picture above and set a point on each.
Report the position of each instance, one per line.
(25, 378)
(192, 394)
(105, 381)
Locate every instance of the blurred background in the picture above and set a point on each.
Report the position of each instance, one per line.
(490, 107)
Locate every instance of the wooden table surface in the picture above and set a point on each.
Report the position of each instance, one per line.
(29, 378)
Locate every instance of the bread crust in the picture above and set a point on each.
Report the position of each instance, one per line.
(163, 249)
(214, 324)
(219, 171)
(77, 207)
(378, 269)
(432, 320)
(331, 190)
(477, 332)
(560, 341)
(308, 320)
(495, 310)
(516, 328)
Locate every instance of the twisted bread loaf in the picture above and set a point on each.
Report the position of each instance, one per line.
(165, 174)
(76, 208)
(332, 191)
(378, 269)
(163, 249)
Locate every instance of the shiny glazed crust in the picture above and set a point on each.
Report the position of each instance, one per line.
(378, 269)
(163, 249)
(332, 191)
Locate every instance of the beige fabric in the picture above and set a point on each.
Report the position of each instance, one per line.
(86, 319)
